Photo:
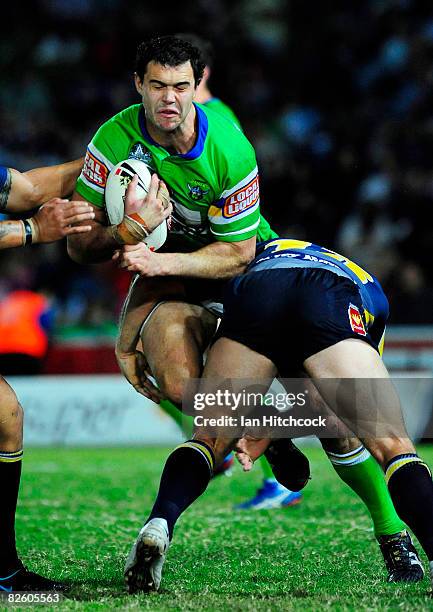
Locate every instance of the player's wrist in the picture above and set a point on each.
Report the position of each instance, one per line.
(120, 234)
(30, 231)
(132, 230)
(36, 234)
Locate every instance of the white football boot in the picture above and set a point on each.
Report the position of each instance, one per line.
(143, 566)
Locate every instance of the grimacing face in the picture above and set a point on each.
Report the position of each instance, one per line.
(167, 93)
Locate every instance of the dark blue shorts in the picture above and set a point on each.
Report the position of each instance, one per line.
(289, 314)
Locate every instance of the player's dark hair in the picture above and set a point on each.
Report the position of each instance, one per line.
(204, 46)
(169, 51)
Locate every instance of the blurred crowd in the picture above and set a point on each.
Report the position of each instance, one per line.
(335, 96)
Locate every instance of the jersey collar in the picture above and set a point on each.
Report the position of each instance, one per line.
(202, 129)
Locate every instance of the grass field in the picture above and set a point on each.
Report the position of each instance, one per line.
(80, 510)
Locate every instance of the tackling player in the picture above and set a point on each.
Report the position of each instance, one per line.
(54, 220)
(296, 294)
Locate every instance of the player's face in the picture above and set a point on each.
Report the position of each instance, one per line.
(167, 93)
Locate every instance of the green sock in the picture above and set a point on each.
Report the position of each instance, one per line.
(362, 473)
(266, 468)
(184, 421)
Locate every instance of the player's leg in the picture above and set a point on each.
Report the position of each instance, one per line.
(409, 479)
(13, 575)
(361, 472)
(355, 466)
(189, 468)
(11, 443)
(174, 340)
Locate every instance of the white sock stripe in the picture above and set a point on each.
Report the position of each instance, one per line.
(349, 454)
(355, 457)
(409, 457)
(14, 457)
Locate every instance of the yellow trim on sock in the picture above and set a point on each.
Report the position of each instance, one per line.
(11, 457)
(200, 448)
(400, 463)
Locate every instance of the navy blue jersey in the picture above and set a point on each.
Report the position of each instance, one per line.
(4, 173)
(287, 253)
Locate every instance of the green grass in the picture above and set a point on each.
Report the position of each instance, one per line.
(80, 510)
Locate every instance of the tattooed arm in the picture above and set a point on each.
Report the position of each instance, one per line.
(53, 221)
(11, 234)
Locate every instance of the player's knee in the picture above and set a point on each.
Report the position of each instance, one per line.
(11, 427)
(219, 446)
(340, 446)
(172, 386)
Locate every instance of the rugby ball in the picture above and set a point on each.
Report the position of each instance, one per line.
(117, 183)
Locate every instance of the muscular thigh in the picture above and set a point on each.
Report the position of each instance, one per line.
(175, 338)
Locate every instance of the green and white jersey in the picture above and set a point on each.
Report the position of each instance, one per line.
(214, 187)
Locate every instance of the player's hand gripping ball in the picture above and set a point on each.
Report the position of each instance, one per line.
(133, 227)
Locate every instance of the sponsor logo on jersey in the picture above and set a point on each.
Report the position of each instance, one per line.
(355, 319)
(94, 170)
(139, 152)
(197, 189)
(242, 199)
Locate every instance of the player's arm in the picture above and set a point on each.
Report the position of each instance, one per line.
(103, 240)
(219, 260)
(53, 221)
(30, 189)
(98, 245)
(132, 362)
(233, 221)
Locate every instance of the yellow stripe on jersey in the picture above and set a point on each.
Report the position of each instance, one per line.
(381, 345)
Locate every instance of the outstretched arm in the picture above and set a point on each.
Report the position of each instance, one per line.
(52, 222)
(30, 189)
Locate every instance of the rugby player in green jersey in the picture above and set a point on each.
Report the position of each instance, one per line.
(210, 169)
(21, 192)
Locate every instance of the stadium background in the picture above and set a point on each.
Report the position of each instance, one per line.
(337, 99)
(337, 102)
